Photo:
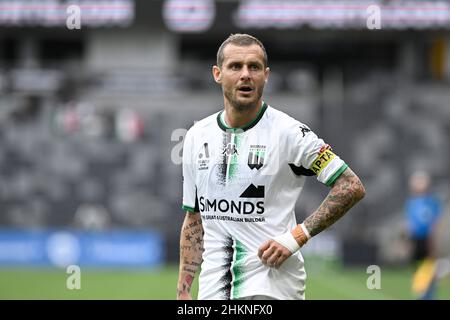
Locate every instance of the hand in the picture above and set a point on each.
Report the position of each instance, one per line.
(184, 296)
(273, 254)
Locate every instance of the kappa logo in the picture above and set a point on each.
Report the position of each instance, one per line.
(230, 150)
(256, 156)
(304, 129)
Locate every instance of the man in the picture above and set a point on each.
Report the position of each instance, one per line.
(243, 170)
(423, 211)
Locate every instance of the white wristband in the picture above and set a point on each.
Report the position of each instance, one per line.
(305, 231)
(287, 240)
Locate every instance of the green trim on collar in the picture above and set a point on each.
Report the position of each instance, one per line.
(245, 127)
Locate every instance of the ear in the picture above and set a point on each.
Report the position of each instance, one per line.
(266, 74)
(216, 74)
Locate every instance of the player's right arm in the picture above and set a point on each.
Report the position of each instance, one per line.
(191, 249)
(191, 236)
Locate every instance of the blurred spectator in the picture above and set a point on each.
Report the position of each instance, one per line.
(92, 217)
(423, 210)
(129, 125)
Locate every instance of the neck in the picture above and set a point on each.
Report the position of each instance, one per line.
(235, 118)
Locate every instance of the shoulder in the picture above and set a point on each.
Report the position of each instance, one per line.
(286, 124)
(203, 124)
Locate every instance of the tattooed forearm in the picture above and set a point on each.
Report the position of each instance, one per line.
(191, 249)
(346, 191)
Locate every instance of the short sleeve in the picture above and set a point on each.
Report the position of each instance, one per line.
(307, 150)
(189, 187)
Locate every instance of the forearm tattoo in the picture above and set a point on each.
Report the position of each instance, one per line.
(191, 249)
(346, 191)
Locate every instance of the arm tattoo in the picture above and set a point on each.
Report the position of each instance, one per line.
(346, 191)
(191, 249)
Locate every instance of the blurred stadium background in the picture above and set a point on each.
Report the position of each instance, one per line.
(91, 119)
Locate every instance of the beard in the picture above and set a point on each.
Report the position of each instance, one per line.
(243, 105)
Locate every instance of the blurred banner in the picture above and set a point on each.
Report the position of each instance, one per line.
(53, 13)
(62, 248)
(201, 15)
(342, 14)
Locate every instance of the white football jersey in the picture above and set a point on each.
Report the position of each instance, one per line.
(245, 183)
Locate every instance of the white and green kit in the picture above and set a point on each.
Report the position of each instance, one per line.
(245, 183)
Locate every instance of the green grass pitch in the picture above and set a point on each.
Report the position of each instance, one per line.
(325, 281)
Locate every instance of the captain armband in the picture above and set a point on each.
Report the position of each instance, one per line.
(323, 159)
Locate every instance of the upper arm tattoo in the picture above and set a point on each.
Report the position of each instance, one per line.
(346, 191)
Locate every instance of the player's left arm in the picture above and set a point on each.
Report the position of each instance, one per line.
(303, 148)
(345, 192)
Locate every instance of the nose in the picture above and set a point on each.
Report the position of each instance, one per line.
(245, 73)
